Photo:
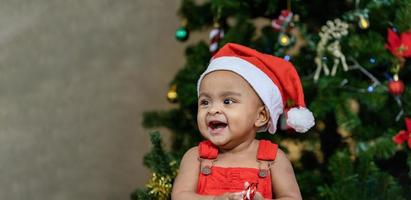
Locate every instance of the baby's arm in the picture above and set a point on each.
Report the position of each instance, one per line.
(285, 186)
(184, 186)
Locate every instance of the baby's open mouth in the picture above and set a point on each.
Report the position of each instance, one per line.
(217, 124)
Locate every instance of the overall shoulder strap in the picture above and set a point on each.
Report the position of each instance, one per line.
(207, 150)
(267, 150)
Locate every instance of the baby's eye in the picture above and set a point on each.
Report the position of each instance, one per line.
(228, 101)
(203, 102)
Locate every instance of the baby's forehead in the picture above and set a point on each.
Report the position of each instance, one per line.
(225, 83)
(223, 79)
(223, 75)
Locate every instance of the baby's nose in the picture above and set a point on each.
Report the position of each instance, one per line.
(214, 110)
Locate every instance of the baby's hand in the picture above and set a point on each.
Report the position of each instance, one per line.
(230, 196)
(258, 196)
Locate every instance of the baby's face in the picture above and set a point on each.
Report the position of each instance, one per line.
(228, 109)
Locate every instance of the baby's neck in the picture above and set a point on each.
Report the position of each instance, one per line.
(243, 155)
(241, 148)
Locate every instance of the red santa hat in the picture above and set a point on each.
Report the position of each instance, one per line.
(275, 81)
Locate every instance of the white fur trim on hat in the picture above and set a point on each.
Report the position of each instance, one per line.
(259, 81)
(300, 119)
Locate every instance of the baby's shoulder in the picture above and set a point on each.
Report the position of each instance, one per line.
(191, 155)
(281, 155)
(193, 151)
(281, 160)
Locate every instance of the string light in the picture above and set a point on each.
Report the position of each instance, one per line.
(370, 88)
(363, 23)
(372, 60)
(284, 39)
(287, 57)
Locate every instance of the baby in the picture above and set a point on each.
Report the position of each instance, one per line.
(243, 92)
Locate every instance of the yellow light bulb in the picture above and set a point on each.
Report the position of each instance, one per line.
(284, 40)
(363, 23)
(172, 94)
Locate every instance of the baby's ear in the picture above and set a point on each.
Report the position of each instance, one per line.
(262, 117)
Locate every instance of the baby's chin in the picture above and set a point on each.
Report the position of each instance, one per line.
(218, 141)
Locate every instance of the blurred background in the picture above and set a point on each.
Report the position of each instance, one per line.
(354, 64)
(75, 77)
(78, 79)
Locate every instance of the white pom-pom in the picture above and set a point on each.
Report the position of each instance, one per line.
(300, 119)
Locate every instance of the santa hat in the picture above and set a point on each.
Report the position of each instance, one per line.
(275, 81)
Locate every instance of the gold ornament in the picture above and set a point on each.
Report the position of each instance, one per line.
(363, 23)
(172, 94)
(284, 39)
(160, 186)
(174, 168)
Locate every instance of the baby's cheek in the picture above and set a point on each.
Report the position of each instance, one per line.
(201, 125)
(200, 118)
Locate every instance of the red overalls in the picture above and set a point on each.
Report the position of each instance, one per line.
(220, 180)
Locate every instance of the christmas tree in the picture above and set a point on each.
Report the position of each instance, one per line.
(352, 57)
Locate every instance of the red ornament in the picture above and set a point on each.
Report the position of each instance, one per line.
(396, 87)
(250, 191)
(216, 34)
(283, 20)
(399, 46)
(404, 135)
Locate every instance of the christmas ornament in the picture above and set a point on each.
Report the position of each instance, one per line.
(404, 135)
(282, 24)
(172, 94)
(396, 87)
(174, 168)
(182, 32)
(216, 34)
(363, 22)
(332, 32)
(160, 186)
(399, 46)
(359, 15)
(283, 21)
(250, 191)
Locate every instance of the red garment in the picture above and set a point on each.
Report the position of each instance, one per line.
(232, 179)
